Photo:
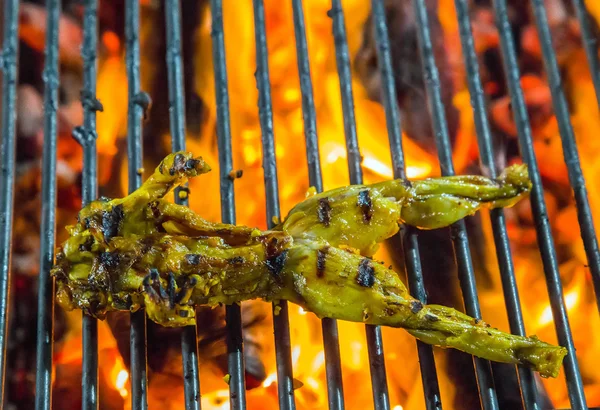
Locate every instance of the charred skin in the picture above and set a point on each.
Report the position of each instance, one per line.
(142, 251)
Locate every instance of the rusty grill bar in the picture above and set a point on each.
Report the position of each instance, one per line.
(138, 101)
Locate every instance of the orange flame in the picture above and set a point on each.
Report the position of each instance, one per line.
(307, 345)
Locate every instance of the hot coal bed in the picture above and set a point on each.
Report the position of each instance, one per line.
(56, 61)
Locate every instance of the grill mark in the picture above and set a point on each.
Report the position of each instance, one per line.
(275, 264)
(389, 311)
(111, 222)
(416, 306)
(366, 205)
(366, 273)
(109, 260)
(157, 215)
(178, 164)
(324, 211)
(236, 260)
(193, 259)
(275, 255)
(87, 245)
(122, 302)
(145, 245)
(107, 265)
(191, 164)
(431, 318)
(321, 259)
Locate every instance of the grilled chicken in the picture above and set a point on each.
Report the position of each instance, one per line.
(143, 251)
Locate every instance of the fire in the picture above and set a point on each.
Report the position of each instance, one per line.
(272, 378)
(571, 300)
(120, 382)
(310, 381)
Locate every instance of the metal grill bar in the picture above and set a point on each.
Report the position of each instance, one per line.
(409, 236)
(189, 343)
(281, 323)
(237, 383)
(466, 275)
(86, 136)
(538, 206)
(345, 76)
(381, 397)
(8, 62)
(484, 138)
(331, 344)
(135, 111)
(45, 313)
(576, 179)
(412, 259)
(590, 44)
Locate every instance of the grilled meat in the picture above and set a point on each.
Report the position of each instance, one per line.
(143, 251)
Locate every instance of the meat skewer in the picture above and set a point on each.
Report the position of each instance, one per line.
(144, 251)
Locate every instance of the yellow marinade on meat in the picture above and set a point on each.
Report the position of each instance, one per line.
(144, 251)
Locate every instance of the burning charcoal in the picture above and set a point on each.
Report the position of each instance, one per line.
(30, 117)
(69, 116)
(539, 107)
(408, 70)
(66, 390)
(164, 353)
(30, 111)
(27, 214)
(484, 29)
(566, 39)
(564, 30)
(32, 30)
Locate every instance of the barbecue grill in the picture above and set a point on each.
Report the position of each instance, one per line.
(86, 136)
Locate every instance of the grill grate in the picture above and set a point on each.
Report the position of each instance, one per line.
(189, 346)
(137, 102)
(86, 135)
(331, 342)
(8, 62)
(538, 204)
(409, 237)
(466, 275)
(45, 325)
(237, 388)
(511, 294)
(281, 324)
